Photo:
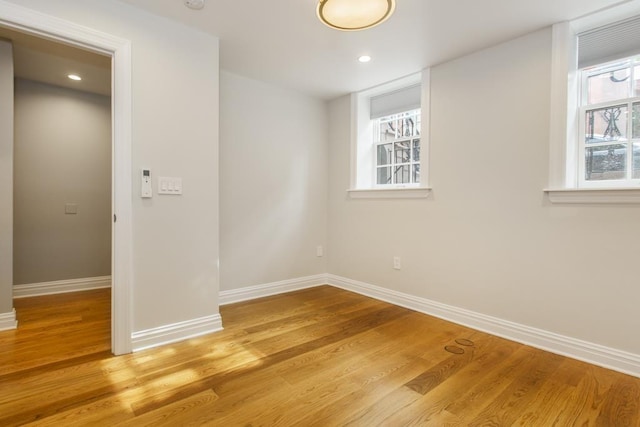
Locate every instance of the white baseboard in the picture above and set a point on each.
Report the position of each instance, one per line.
(61, 286)
(8, 320)
(175, 332)
(610, 358)
(268, 289)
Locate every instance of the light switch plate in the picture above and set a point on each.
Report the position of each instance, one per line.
(169, 185)
(70, 208)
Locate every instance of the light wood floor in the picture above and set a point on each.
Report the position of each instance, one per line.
(318, 357)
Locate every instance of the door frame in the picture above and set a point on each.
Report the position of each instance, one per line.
(49, 27)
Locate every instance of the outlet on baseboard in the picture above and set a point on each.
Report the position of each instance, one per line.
(396, 263)
(319, 251)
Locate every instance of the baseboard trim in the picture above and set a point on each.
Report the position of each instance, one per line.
(268, 289)
(610, 358)
(175, 332)
(61, 286)
(8, 320)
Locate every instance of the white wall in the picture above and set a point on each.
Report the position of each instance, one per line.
(175, 133)
(62, 154)
(6, 177)
(273, 176)
(488, 240)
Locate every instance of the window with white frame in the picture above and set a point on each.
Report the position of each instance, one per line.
(595, 108)
(609, 106)
(388, 139)
(397, 147)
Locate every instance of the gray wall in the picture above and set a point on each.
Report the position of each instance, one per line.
(487, 240)
(62, 155)
(273, 175)
(6, 176)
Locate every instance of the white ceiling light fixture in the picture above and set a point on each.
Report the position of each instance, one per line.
(354, 15)
(194, 4)
(75, 77)
(364, 58)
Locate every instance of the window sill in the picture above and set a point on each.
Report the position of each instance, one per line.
(594, 195)
(390, 193)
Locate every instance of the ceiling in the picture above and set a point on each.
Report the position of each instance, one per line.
(45, 61)
(282, 41)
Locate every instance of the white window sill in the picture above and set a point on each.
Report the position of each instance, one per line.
(390, 193)
(594, 195)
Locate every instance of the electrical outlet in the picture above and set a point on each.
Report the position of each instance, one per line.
(396, 263)
(319, 251)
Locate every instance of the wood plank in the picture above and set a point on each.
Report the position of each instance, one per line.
(314, 357)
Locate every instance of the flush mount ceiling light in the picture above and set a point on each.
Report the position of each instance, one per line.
(74, 77)
(353, 15)
(364, 58)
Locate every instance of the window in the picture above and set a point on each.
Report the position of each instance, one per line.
(595, 108)
(388, 142)
(397, 147)
(610, 123)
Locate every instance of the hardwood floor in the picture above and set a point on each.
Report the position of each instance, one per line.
(317, 357)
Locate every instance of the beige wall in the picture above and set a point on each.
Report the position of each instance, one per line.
(175, 133)
(6, 176)
(273, 175)
(488, 240)
(62, 155)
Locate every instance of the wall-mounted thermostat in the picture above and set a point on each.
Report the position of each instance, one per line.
(146, 191)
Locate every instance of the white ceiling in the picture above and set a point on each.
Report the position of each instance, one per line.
(282, 41)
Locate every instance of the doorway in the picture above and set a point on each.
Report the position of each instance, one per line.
(23, 20)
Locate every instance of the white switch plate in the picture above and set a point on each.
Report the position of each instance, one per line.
(319, 251)
(71, 208)
(396, 263)
(169, 185)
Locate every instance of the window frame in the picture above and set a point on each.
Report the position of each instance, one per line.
(562, 186)
(416, 112)
(629, 141)
(362, 155)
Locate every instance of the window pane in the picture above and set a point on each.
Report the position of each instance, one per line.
(608, 86)
(402, 174)
(403, 152)
(387, 131)
(416, 173)
(606, 124)
(384, 154)
(636, 84)
(384, 175)
(606, 162)
(416, 150)
(636, 160)
(408, 126)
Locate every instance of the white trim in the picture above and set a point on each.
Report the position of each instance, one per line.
(596, 354)
(175, 332)
(49, 27)
(61, 286)
(8, 320)
(390, 193)
(563, 107)
(425, 131)
(268, 289)
(594, 195)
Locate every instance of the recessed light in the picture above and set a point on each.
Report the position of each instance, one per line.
(364, 58)
(74, 77)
